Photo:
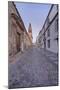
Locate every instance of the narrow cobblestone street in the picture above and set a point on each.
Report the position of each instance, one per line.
(34, 67)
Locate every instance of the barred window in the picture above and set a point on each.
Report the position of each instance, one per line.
(48, 32)
(48, 43)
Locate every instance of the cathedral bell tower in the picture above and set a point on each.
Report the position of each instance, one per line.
(30, 31)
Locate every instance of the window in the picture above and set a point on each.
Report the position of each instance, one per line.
(56, 25)
(45, 43)
(48, 43)
(48, 32)
(48, 21)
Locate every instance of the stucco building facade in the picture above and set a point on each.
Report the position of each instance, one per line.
(18, 37)
(48, 36)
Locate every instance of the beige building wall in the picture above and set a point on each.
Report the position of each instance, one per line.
(27, 40)
(15, 32)
(18, 38)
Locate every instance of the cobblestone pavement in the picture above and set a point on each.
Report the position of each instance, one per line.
(34, 67)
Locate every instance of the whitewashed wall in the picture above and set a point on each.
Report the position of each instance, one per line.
(53, 32)
(53, 12)
(53, 42)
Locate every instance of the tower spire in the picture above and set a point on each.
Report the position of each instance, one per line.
(30, 28)
(30, 31)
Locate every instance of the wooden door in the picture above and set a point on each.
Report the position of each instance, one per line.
(18, 41)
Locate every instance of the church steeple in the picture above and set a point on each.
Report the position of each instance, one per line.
(30, 31)
(30, 28)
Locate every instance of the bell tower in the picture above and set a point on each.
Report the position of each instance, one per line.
(30, 31)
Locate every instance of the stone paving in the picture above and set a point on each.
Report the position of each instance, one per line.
(34, 67)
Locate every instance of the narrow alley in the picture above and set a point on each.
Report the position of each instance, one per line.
(35, 67)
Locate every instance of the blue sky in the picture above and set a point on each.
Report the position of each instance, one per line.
(33, 13)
